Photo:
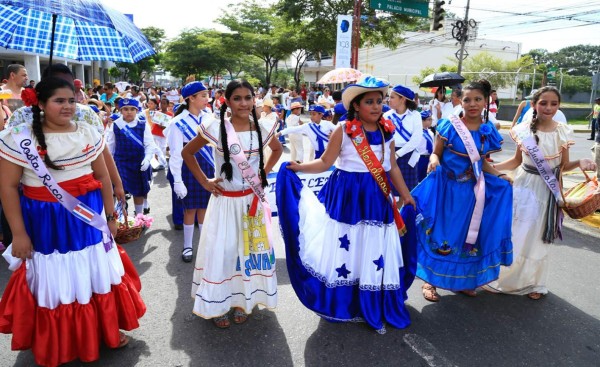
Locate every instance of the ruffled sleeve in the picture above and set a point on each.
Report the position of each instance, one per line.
(494, 139)
(210, 130)
(268, 128)
(445, 130)
(94, 140)
(9, 149)
(565, 135)
(520, 132)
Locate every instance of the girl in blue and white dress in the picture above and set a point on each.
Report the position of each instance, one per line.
(407, 137)
(182, 129)
(235, 267)
(446, 204)
(317, 131)
(131, 143)
(344, 255)
(69, 292)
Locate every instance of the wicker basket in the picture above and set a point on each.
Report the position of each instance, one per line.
(586, 207)
(126, 233)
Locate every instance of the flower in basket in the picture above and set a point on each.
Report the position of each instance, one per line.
(29, 97)
(485, 129)
(143, 220)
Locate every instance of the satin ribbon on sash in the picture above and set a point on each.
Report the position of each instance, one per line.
(22, 137)
(189, 133)
(251, 177)
(554, 216)
(321, 138)
(122, 125)
(479, 189)
(363, 148)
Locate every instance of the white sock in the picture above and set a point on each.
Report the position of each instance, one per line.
(139, 209)
(188, 235)
(146, 205)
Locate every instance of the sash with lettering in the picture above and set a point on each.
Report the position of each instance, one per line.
(363, 148)
(554, 216)
(22, 137)
(190, 133)
(479, 189)
(251, 177)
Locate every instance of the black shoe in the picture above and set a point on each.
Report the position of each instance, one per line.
(146, 211)
(590, 138)
(187, 254)
(127, 196)
(178, 227)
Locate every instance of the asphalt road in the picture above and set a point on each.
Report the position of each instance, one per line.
(563, 329)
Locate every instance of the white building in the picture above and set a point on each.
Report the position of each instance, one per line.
(35, 64)
(420, 50)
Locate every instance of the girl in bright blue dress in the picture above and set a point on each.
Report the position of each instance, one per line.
(446, 202)
(344, 255)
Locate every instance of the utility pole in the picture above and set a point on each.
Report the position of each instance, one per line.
(355, 33)
(464, 38)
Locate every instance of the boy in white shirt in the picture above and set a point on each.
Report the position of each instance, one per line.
(317, 130)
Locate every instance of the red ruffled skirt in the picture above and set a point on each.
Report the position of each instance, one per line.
(70, 331)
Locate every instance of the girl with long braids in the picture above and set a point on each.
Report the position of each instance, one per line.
(464, 205)
(344, 255)
(235, 266)
(182, 129)
(72, 287)
(537, 215)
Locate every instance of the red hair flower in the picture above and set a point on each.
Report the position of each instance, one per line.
(353, 128)
(388, 125)
(41, 152)
(29, 97)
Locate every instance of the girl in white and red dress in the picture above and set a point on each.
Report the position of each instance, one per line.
(70, 291)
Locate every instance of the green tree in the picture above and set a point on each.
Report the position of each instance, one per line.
(261, 32)
(187, 55)
(376, 28)
(136, 71)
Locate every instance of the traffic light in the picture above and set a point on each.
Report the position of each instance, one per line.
(438, 15)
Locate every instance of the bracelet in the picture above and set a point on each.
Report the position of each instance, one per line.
(112, 217)
(502, 174)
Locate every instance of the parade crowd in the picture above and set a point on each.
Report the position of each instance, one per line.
(414, 192)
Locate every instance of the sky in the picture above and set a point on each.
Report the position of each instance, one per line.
(500, 20)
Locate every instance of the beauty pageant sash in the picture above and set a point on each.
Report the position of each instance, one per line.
(479, 189)
(22, 137)
(251, 177)
(361, 144)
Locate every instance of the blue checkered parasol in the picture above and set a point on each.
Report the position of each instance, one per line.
(84, 30)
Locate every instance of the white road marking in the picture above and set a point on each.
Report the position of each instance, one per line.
(427, 351)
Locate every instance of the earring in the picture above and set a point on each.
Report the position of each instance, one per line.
(42, 113)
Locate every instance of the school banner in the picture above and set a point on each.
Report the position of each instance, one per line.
(314, 181)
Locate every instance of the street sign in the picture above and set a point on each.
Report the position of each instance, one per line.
(409, 7)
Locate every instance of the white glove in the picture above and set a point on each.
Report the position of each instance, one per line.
(180, 189)
(145, 164)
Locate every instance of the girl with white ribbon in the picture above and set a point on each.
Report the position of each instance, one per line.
(543, 152)
(408, 135)
(464, 205)
(69, 278)
(235, 266)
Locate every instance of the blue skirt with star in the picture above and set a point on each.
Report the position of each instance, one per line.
(344, 255)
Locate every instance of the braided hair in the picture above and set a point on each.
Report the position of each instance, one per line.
(45, 89)
(227, 167)
(534, 101)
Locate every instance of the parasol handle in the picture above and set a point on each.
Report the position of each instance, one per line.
(54, 16)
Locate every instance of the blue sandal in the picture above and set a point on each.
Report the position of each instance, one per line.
(239, 316)
(222, 322)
